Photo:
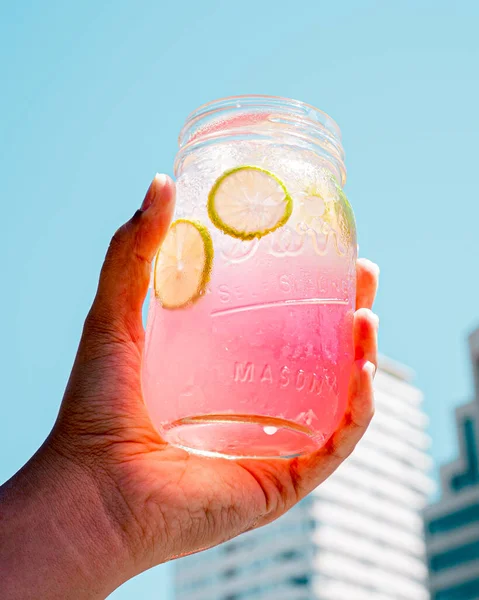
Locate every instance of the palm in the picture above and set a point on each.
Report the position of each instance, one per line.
(204, 501)
(189, 502)
(178, 502)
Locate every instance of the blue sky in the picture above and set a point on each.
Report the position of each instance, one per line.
(93, 95)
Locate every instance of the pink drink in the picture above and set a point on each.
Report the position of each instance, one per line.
(259, 366)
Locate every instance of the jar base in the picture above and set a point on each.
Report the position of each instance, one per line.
(242, 436)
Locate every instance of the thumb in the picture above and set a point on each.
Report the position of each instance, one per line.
(125, 274)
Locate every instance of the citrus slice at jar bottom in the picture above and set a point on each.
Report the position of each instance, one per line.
(183, 264)
(249, 202)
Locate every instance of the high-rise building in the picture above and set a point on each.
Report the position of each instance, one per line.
(452, 524)
(359, 536)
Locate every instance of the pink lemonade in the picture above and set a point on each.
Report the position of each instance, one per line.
(259, 364)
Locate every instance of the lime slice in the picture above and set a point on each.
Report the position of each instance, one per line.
(183, 264)
(249, 202)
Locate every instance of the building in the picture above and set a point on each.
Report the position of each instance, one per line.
(359, 536)
(452, 524)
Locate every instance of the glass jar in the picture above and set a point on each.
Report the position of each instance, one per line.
(249, 337)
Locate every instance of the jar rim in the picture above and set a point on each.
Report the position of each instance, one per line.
(308, 126)
(310, 112)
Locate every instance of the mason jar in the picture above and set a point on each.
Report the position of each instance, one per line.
(249, 344)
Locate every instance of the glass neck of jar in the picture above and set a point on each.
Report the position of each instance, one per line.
(267, 118)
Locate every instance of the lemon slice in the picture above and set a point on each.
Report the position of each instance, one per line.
(183, 264)
(249, 202)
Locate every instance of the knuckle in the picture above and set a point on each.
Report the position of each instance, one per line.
(97, 324)
(120, 236)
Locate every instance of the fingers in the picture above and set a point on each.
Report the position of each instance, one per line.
(299, 476)
(359, 414)
(365, 335)
(125, 274)
(312, 470)
(360, 397)
(367, 275)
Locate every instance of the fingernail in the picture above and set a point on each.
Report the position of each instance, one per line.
(158, 182)
(160, 178)
(376, 319)
(370, 368)
(374, 266)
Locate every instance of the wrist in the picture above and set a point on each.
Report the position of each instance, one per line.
(58, 540)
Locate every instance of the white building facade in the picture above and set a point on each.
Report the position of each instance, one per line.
(359, 536)
(452, 524)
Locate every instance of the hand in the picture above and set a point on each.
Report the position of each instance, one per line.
(144, 502)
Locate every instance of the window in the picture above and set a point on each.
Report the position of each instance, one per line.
(459, 592)
(299, 580)
(457, 556)
(454, 520)
(471, 475)
(289, 555)
(229, 573)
